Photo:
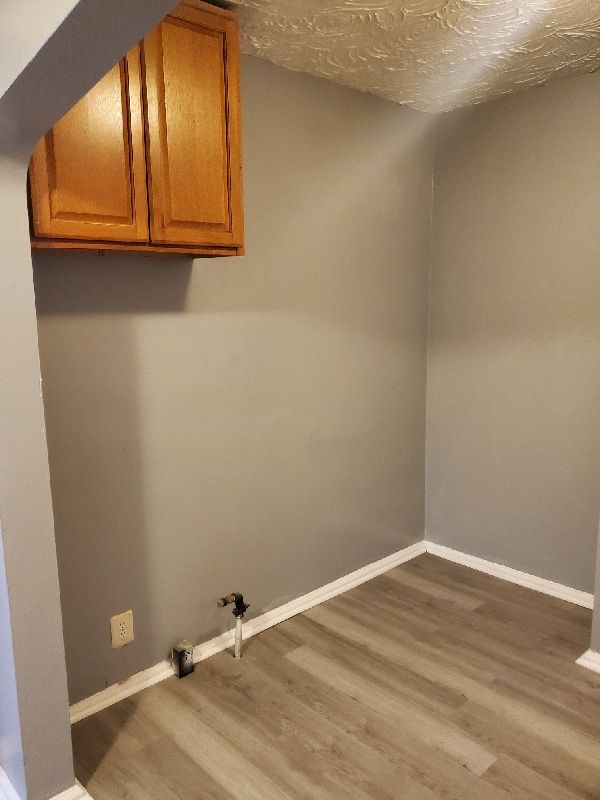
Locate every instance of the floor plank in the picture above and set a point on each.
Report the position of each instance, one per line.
(431, 682)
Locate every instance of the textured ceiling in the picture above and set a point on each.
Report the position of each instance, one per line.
(433, 55)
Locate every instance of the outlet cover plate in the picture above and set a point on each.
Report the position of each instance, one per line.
(121, 629)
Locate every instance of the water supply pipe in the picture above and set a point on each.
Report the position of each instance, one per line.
(239, 610)
(237, 649)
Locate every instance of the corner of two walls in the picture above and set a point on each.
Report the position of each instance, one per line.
(513, 389)
(256, 423)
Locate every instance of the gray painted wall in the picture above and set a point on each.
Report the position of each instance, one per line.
(35, 745)
(513, 450)
(19, 41)
(252, 424)
(34, 761)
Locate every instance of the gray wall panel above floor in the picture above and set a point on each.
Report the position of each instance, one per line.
(513, 413)
(253, 424)
(47, 61)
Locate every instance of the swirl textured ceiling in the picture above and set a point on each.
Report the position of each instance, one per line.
(434, 55)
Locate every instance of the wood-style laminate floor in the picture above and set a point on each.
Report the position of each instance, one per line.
(432, 681)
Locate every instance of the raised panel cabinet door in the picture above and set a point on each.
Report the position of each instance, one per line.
(193, 127)
(88, 174)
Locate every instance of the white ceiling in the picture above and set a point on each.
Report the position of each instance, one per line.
(434, 55)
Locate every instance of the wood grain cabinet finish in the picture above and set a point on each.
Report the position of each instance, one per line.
(150, 158)
(88, 174)
(192, 64)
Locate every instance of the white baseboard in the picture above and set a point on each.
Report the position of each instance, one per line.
(590, 659)
(119, 691)
(159, 672)
(7, 790)
(314, 598)
(76, 792)
(575, 596)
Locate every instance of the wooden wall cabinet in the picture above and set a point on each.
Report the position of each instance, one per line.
(150, 158)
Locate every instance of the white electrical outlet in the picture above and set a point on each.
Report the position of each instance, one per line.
(121, 629)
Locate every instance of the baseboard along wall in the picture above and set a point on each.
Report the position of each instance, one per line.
(590, 659)
(551, 588)
(8, 791)
(159, 672)
(76, 792)
(149, 677)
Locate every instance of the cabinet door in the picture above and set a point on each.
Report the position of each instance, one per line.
(88, 174)
(193, 126)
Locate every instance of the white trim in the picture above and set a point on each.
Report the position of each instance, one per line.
(107, 697)
(7, 790)
(119, 691)
(320, 595)
(590, 659)
(76, 792)
(575, 596)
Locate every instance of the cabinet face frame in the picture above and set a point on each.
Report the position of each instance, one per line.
(42, 176)
(162, 229)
